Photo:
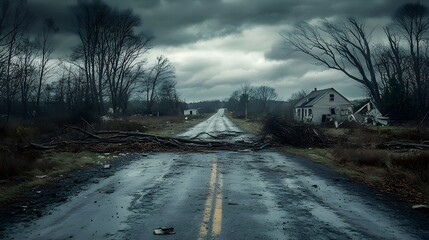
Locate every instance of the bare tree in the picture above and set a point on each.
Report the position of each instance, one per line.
(233, 101)
(160, 72)
(412, 20)
(392, 65)
(247, 92)
(343, 47)
(26, 71)
(45, 55)
(123, 51)
(111, 52)
(265, 94)
(168, 96)
(91, 20)
(14, 20)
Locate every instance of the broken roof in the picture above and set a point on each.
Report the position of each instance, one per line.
(312, 98)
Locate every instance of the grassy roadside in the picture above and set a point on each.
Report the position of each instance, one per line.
(24, 173)
(399, 172)
(50, 167)
(169, 126)
(250, 126)
(378, 173)
(367, 174)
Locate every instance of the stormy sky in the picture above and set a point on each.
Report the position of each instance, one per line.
(217, 45)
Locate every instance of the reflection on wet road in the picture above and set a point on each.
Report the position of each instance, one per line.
(226, 195)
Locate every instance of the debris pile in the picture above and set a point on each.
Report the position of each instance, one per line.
(74, 138)
(295, 134)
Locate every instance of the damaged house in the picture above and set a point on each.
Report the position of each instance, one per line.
(321, 106)
(369, 114)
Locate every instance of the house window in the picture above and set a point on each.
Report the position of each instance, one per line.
(298, 111)
(305, 112)
(331, 97)
(310, 112)
(332, 111)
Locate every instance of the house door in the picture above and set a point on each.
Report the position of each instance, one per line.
(190, 112)
(323, 118)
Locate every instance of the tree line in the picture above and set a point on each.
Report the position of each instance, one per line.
(395, 72)
(106, 69)
(255, 101)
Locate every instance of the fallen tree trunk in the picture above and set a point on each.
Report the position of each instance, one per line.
(123, 140)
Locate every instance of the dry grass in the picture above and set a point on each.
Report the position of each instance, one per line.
(121, 125)
(250, 126)
(361, 157)
(392, 175)
(168, 125)
(404, 173)
(51, 165)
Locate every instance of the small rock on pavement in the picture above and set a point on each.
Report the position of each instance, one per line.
(107, 166)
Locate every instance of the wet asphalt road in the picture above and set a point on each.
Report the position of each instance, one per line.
(226, 195)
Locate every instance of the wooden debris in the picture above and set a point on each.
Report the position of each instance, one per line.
(78, 139)
(295, 134)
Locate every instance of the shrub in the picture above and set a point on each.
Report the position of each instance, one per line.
(295, 134)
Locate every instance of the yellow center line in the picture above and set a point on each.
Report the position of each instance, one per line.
(208, 206)
(217, 216)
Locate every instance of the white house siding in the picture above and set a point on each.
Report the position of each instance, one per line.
(323, 107)
(319, 111)
(338, 100)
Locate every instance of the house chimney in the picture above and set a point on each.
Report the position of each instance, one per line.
(315, 89)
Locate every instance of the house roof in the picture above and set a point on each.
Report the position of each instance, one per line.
(314, 97)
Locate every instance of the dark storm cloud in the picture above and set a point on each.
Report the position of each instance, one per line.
(176, 22)
(186, 21)
(216, 45)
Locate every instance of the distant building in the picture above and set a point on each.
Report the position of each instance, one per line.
(321, 106)
(190, 112)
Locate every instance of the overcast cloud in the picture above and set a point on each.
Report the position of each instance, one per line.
(216, 45)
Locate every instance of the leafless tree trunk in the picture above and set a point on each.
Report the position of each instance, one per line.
(265, 94)
(345, 48)
(14, 20)
(162, 71)
(247, 93)
(111, 52)
(392, 64)
(413, 22)
(45, 55)
(26, 69)
(124, 50)
(92, 20)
